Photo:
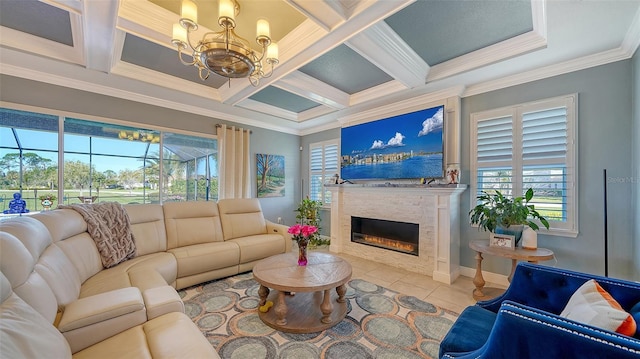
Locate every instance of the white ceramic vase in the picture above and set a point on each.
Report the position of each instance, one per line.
(529, 238)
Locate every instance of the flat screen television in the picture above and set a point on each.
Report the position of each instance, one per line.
(407, 146)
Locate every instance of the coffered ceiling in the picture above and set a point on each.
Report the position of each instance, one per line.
(340, 60)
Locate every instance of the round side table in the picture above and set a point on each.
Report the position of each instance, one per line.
(519, 253)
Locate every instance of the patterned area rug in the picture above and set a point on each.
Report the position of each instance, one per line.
(380, 323)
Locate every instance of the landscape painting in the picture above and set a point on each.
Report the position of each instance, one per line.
(270, 175)
(407, 146)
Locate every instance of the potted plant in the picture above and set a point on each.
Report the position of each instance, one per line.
(309, 214)
(504, 215)
(46, 200)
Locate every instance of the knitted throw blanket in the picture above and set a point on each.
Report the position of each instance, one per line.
(109, 226)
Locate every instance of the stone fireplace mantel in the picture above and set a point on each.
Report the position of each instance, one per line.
(436, 209)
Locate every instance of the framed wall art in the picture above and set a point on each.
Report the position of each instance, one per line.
(270, 175)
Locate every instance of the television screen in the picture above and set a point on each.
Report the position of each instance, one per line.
(400, 147)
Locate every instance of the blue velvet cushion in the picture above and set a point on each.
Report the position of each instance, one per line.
(470, 331)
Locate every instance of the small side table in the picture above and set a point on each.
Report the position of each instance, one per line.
(519, 253)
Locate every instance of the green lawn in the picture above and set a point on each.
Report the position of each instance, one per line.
(71, 196)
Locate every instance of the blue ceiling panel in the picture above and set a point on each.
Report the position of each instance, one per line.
(283, 99)
(147, 54)
(346, 70)
(38, 19)
(439, 31)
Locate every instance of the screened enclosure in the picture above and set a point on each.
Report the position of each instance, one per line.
(69, 160)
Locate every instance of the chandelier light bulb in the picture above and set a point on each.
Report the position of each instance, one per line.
(272, 51)
(262, 28)
(226, 9)
(189, 10)
(179, 33)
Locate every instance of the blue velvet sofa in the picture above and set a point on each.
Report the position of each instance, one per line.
(524, 322)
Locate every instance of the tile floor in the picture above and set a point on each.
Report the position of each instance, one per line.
(455, 297)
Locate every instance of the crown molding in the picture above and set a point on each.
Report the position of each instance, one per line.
(29, 43)
(632, 38)
(30, 67)
(387, 50)
(262, 107)
(399, 107)
(325, 15)
(565, 67)
(144, 74)
(377, 92)
(312, 113)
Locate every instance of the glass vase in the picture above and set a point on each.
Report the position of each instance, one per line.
(302, 252)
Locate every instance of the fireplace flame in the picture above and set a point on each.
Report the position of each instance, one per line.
(388, 243)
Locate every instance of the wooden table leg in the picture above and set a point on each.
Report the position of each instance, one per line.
(263, 292)
(326, 307)
(478, 280)
(514, 264)
(341, 290)
(281, 309)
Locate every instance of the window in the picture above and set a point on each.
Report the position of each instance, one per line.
(323, 164)
(100, 161)
(530, 145)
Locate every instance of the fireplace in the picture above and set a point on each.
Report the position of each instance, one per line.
(397, 236)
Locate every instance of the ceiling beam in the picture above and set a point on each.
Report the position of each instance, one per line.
(313, 89)
(309, 41)
(383, 47)
(98, 24)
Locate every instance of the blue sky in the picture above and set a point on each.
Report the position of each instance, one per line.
(420, 130)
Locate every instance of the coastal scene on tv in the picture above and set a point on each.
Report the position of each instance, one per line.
(402, 147)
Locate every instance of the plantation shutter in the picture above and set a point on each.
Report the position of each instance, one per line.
(544, 159)
(323, 164)
(495, 153)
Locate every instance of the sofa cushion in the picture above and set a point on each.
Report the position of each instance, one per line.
(19, 324)
(201, 258)
(73, 239)
(172, 335)
(470, 331)
(147, 225)
(18, 266)
(241, 217)
(118, 277)
(593, 305)
(259, 246)
(189, 223)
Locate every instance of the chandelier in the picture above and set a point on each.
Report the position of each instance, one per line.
(224, 52)
(143, 136)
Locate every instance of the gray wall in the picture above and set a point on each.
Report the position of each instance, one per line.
(32, 93)
(604, 142)
(636, 160)
(605, 122)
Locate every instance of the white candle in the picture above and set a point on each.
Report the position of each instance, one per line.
(272, 51)
(226, 9)
(262, 28)
(179, 33)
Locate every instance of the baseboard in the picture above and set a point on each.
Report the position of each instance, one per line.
(489, 277)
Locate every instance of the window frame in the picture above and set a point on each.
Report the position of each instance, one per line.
(323, 172)
(570, 227)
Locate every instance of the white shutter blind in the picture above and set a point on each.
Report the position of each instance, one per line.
(495, 141)
(544, 157)
(323, 164)
(495, 154)
(544, 136)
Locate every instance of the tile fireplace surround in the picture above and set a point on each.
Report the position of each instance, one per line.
(436, 209)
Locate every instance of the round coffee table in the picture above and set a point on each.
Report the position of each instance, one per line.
(304, 301)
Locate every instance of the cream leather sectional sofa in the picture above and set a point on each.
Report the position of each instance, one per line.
(58, 300)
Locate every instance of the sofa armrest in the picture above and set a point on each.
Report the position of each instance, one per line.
(524, 332)
(92, 319)
(162, 300)
(538, 286)
(282, 230)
